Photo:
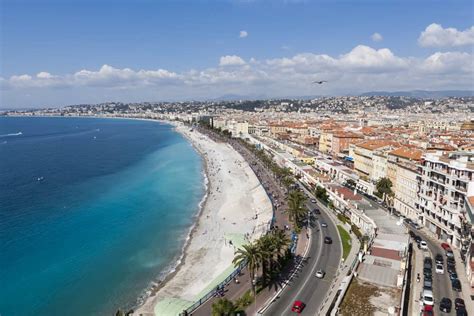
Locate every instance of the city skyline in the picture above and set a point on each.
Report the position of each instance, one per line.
(209, 49)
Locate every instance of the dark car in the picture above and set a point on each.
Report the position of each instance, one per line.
(461, 312)
(428, 284)
(459, 303)
(412, 234)
(439, 258)
(451, 269)
(427, 272)
(316, 211)
(417, 239)
(445, 305)
(428, 263)
(453, 276)
(456, 285)
(451, 262)
(327, 240)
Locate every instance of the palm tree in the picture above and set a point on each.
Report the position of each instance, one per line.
(281, 242)
(266, 247)
(223, 307)
(296, 210)
(252, 255)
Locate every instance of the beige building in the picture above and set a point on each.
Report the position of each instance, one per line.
(325, 142)
(402, 171)
(368, 156)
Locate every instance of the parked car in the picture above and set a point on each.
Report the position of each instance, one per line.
(427, 284)
(427, 263)
(298, 307)
(459, 303)
(327, 240)
(461, 312)
(453, 276)
(415, 225)
(451, 269)
(456, 285)
(445, 305)
(439, 269)
(412, 234)
(423, 245)
(427, 297)
(428, 310)
(320, 274)
(427, 272)
(418, 239)
(445, 246)
(317, 211)
(439, 258)
(451, 262)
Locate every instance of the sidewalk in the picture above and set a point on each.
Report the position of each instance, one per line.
(416, 287)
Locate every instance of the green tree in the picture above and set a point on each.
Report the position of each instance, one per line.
(384, 188)
(351, 183)
(223, 307)
(296, 210)
(322, 194)
(251, 254)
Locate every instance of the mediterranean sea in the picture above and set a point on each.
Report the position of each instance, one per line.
(91, 211)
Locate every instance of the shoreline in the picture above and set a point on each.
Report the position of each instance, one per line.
(187, 277)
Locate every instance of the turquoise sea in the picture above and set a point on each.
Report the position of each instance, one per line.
(91, 211)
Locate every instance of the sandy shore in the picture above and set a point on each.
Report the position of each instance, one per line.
(236, 210)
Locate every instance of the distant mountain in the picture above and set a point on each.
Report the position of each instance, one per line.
(422, 94)
(236, 97)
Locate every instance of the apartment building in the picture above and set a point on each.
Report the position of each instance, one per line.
(446, 182)
(403, 173)
(342, 140)
(370, 156)
(325, 142)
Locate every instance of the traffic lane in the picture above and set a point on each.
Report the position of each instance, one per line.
(441, 282)
(305, 282)
(282, 304)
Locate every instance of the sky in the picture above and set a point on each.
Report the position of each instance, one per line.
(63, 52)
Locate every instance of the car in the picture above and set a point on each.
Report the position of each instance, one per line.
(461, 312)
(320, 274)
(445, 246)
(323, 224)
(445, 305)
(418, 239)
(316, 211)
(451, 262)
(451, 269)
(427, 297)
(327, 240)
(423, 245)
(298, 307)
(449, 254)
(428, 310)
(313, 200)
(427, 272)
(427, 263)
(453, 276)
(428, 284)
(412, 234)
(439, 258)
(456, 285)
(439, 269)
(459, 303)
(415, 225)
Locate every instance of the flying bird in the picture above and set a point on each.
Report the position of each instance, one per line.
(320, 82)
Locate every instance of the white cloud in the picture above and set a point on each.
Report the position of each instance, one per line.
(231, 60)
(376, 37)
(436, 36)
(243, 34)
(361, 69)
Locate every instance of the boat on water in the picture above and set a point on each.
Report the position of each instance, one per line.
(40, 179)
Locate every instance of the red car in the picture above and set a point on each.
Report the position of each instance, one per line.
(298, 307)
(445, 246)
(428, 310)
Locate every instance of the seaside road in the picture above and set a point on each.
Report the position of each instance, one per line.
(305, 286)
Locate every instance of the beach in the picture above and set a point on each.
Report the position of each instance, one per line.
(236, 210)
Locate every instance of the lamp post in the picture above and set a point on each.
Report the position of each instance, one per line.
(254, 283)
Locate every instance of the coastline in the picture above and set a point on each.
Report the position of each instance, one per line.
(188, 276)
(192, 276)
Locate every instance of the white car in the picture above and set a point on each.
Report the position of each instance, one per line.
(423, 245)
(427, 297)
(324, 225)
(313, 200)
(320, 274)
(439, 269)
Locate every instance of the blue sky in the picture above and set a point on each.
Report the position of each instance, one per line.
(61, 38)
